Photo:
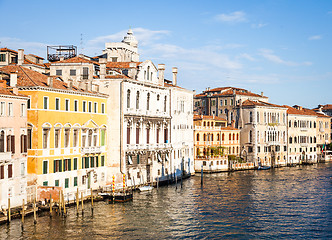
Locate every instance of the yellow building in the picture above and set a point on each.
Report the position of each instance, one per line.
(214, 143)
(66, 132)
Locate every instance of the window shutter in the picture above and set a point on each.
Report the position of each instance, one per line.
(10, 171)
(13, 143)
(25, 141)
(60, 165)
(8, 143)
(69, 164)
(2, 172)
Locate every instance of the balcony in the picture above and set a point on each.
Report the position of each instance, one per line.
(90, 150)
(5, 156)
(148, 146)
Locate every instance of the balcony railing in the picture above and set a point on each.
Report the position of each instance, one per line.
(148, 146)
(90, 150)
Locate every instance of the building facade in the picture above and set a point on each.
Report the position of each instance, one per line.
(13, 146)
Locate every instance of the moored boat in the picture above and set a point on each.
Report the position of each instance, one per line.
(145, 188)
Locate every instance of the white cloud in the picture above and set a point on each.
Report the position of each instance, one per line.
(37, 48)
(234, 17)
(247, 57)
(315, 37)
(258, 25)
(269, 55)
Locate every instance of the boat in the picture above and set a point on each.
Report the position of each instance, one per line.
(118, 197)
(145, 188)
(263, 167)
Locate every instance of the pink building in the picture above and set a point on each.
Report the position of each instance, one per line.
(13, 145)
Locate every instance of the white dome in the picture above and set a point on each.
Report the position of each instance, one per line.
(130, 39)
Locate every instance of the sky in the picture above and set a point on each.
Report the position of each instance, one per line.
(279, 47)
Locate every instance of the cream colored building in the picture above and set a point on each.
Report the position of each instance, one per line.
(263, 133)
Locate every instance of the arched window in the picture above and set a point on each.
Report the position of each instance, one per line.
(204, 137)
(90, 137)
(290, 140)
(148, 101)
(250, 136)
(218, 137)
(237, 136)
(197, 137)
(208, 124)
(223, 137)
(2, 141)
(233, 136)
(137, 100)
(250, 117)
(29, 136)
(230, 136)
(204, 123)
(211, 137)
(128, 98)
(257, 117)
(148, 73)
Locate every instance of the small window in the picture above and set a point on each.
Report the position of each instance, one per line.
(84, 106)
(102, 161)
(66, 182)
(95, 107)
(67, 105)
(56, 183)
(3, 57)
(2, 109)
(103, 108)
(72, 72)
(45, 102)
(57, 104)
(75, 105)
(75, 164)
(45, 183)
(45, 167)
(75, 181)
(58, 72)
(90, 107)
(10, 110)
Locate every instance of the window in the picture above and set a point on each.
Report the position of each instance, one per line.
(58, 72)
(148, 135)
(45, 167)
(85, 73)
(11, 143)
(165, 104)
(232, 102)
(67, 105)
(95, 107)
(75, 105)
(137, 158)
(137, 135)
(92, 162)
(250, 117)
(102, 161)
(72, 72)
(166, 135)
(2, 109)
(197, 137)
(157, 135)
(23, 110)
(84, 106)
(75, 137)
(3, 57)
(221, 102)
(2, 141)
(45, 183)
(10, 109)
(128, 135)
(103, 108)
(10, 170)
(67, 165)
(250, 136)
(2, 172)
(75, 181)
(45, 102)
(128, 98)
(56, 138)
(213, 102)
(148, 102)
(57, 166)
(226, 102)
(57, 104)
(137, 100)
(29, 136)
(66, 182)
(29, 103)
(22, 169)
(23, 143)
(75, 164)
(90, 107)
(67, 133)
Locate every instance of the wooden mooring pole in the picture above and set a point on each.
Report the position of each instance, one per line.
(23, 212)
(51, 205)
(91, 200)
(64, 205)
(202, 175)
(9, 217)
(34, 212)
(77, 202)
(82, 203)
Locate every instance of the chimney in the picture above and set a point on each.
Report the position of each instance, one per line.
(70, 84)
(15, 90)
(234, 92)
(175, 72)
(262, 93)
(102, 63)
(161, 69)
(13, 79)
(233, 124)
(50, 81)
(20, 58)
(86, 86)
(132, 70)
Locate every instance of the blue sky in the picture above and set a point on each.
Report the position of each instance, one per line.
(282, 48)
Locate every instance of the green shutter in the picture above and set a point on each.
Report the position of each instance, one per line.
(54, 165)
(66, 182)
(56, 183)
(60, 165)
(83, 162)
(103, 137)
(75, 181)
(97, 161)
(137, 158)
(69, 164)
(45, 183)
(75, 163)
(86, 162)
(92, 164)
(45, 164)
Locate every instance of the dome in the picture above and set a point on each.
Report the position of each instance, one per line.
(130, 39)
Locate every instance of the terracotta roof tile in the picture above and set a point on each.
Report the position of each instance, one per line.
(76, 59)
(260, 103)
(303, 111)
(7, 50)
(201, 117)
(116, 76)
(120, 64)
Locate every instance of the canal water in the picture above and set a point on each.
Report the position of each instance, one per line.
(285, 203)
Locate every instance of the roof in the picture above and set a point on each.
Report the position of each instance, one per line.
(171, 85)
(121, 64)
(224, 91)
(30, 78)
(324, 107)
(7, 50)
(116, 76)
(303, 111)
(229, 128)
(207, 117)
(6, 91)
(36, 56)
(249, 102)
(76, 59)
(27, 61)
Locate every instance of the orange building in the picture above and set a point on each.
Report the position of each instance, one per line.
(215, 143)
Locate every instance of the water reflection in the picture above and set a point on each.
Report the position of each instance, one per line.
(282, 203)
